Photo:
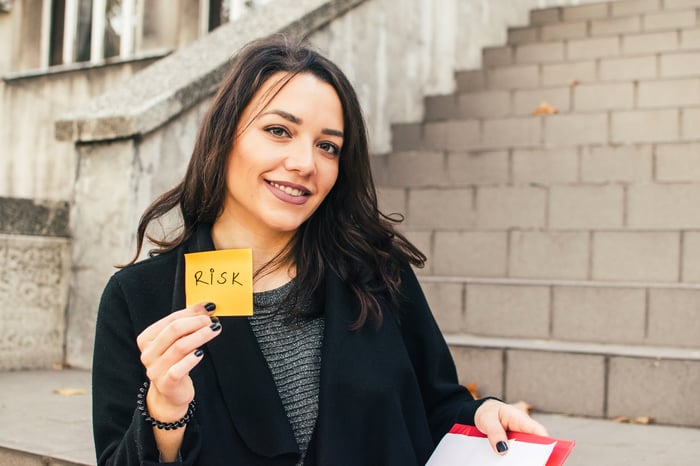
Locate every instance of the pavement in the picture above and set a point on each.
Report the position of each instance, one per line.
(45, 419)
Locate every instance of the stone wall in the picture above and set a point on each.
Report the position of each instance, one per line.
(35, 256)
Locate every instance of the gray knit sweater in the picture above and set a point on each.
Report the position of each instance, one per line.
(293, 353)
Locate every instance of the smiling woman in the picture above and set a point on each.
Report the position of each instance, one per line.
(342, 362)
(281, 168)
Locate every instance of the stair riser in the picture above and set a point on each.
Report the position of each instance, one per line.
(670, 63)
(655, 9)
(584, 97)
(583, 28)
(585, 166)
(595, 385)
(644, 316)
(656, 126)
(605, 256)
(572, 50)
(599, 210)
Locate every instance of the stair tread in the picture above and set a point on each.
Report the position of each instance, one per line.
(654, 352)
(555, 282)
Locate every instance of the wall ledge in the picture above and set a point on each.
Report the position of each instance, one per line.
(82, 66)
(29, 217)
(166, 88)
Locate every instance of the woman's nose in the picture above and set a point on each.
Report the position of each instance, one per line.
(300, 158)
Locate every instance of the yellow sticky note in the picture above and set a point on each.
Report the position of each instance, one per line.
(223, 277)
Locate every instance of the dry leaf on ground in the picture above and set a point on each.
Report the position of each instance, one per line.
(545, 109)
(634, 420)
(70, 391)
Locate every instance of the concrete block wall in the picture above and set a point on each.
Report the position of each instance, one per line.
(593, 312)
(565, 247)
(35, 251)
(621, 153)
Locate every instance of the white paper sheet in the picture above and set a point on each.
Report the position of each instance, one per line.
(464, 450)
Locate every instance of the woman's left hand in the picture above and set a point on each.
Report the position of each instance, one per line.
(494, 417)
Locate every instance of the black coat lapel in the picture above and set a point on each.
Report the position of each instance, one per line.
(366, 377)
(340, 312)
(244, 378)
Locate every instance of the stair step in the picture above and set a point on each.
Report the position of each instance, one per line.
(552, 167)
(581, 27)
(615, 127)
(615, 255)
(574, 311)
(646, 66)
(590, 48)
(597, 349)
(583, 379)
(641, 94)
(654, 11)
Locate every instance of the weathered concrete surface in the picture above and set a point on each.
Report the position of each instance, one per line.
(34, 297)
(33, 164)
(35, 257)
(32, 217)
(121, 179)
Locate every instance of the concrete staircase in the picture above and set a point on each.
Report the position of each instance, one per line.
(564, 248)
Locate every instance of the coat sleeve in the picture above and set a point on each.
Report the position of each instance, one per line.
(121, 435)
(446, 402)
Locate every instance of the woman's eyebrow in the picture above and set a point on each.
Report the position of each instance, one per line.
(298, 121)
(286, 115)
(332, 132)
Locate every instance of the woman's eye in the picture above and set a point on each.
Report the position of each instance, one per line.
(277, 131)
(330, 148)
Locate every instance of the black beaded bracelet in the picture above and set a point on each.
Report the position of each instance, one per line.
(141, 406)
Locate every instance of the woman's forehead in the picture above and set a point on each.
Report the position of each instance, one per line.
(291, 90)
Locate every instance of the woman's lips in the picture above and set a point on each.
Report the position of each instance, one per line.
(288, 192)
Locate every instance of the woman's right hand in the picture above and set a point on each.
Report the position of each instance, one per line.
(170, 348)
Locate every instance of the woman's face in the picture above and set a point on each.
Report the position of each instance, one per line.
(284, 160)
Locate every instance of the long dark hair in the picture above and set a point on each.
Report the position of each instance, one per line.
(347, 234)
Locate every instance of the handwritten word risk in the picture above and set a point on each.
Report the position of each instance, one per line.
(224, 277)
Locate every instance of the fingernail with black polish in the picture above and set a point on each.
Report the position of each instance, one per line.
(210, 307)
(215, 326)
(214, 319)
(198, 352)
(502, 447)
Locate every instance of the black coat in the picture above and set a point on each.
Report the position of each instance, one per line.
(387, 395)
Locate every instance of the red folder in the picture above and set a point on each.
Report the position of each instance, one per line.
(561, 449)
